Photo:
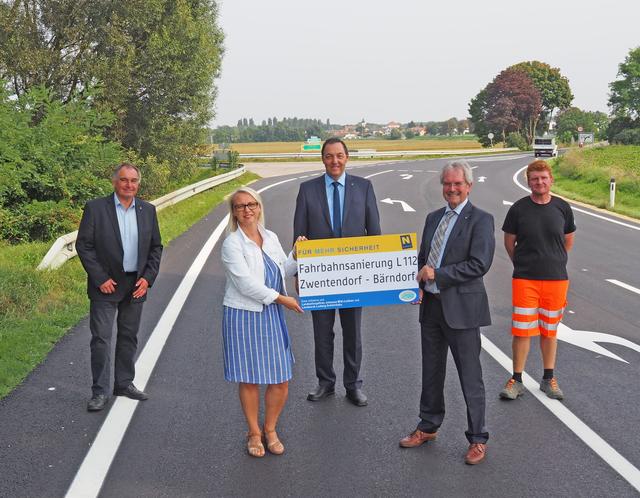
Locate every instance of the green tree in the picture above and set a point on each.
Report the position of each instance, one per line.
(553, 87)
(573, 118)
(155, 61)
(625, 92)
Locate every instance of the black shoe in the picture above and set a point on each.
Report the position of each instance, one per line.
(321, 392)
(132, 392)
(97, 402)
(357, 397)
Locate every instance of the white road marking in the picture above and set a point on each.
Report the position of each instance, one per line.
(379, 173)
(94, 467)
(497, 158)
(406, 176)
(610, 220)
(587, 339)
(599, 446)
(405, 207)
(481, 179)
(623, 285)
(507, 203)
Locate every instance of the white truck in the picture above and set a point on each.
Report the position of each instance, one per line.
(545, 146)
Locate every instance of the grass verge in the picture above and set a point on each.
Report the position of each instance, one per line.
(584, 174)
(38, 308)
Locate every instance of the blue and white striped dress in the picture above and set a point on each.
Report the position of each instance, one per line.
(256, 343)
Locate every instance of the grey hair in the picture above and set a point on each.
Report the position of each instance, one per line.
(458, 164)
(117, 169)
(232, 225)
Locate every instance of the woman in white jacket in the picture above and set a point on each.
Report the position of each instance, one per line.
(257, 349)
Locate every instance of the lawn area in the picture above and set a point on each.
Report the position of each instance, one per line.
(38, 307)
(584, 174)
(434, 143)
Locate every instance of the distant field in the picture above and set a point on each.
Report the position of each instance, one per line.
(381, 145)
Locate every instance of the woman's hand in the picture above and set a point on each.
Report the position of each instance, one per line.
(290, 303)
(295, 246)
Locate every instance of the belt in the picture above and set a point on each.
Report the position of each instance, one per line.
(434, 296)
(131, 273)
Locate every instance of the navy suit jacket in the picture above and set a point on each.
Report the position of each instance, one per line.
(360, 217)
(99, 246)
(467, 257)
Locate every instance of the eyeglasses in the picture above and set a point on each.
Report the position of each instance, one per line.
(241, 207)
(454, 184)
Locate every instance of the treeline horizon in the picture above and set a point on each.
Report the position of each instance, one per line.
(294, 129)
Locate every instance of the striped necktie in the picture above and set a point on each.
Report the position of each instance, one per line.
(438, 239)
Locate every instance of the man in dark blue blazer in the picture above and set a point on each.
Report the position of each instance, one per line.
(336, 204)
(457, 249)
(119, 247)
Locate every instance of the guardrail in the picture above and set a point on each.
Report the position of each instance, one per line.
(64, 248)
(370, 153)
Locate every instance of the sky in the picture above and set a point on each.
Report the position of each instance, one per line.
(403, 60)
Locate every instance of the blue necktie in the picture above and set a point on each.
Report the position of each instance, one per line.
(337, 217)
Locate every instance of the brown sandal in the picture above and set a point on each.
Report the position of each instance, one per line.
(255, 447)
(275, 447)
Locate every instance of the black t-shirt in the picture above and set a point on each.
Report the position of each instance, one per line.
(540, 229)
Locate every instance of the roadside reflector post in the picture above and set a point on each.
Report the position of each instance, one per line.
(612, 192)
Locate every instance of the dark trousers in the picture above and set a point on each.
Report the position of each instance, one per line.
(323, 336)
(101, 318)
(437, 338)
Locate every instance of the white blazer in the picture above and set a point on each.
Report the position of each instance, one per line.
(244, 268)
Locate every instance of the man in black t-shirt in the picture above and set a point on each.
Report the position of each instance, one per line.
(538, 234)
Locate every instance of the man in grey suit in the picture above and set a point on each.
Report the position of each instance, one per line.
(119, 246)
(457, 249)
(336, 204)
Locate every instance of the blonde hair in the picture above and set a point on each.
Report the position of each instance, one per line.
(232, 226)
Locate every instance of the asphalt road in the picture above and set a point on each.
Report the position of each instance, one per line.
(188, 439)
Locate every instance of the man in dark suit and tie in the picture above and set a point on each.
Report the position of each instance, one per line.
(457, 249)
(336, 204)
(119, 246)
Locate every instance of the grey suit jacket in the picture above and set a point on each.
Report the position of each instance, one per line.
(467, 257)
(360, 217)
(99, 246)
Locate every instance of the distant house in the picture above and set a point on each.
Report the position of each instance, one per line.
(351, 136)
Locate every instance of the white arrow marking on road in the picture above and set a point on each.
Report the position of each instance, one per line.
(405, 206)
(587, 339)
(481, 179)
(406, 176)
(623, 285)
(591, 438)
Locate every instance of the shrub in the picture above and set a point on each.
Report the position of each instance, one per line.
(514, 139)
(628, 137)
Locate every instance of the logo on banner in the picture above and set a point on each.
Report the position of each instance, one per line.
(407, 296)
(405, 240)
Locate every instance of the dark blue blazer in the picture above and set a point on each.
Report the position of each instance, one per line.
(99, 246)
(360, 216)
(467, 257)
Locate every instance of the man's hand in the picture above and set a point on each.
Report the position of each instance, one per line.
(420, 296)
(426, 273)
(109, 287)
(141, 288)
